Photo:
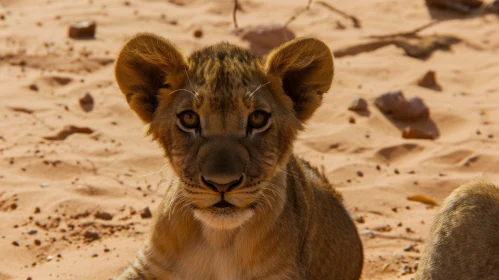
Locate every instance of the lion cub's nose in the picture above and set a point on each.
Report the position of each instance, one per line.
(222, 183)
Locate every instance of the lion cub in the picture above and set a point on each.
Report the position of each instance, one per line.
(244, 206)
(464, 239)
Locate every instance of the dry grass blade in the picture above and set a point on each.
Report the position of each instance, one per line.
(422, 199)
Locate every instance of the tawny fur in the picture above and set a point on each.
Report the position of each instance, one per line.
(288, 222)
(464, 239)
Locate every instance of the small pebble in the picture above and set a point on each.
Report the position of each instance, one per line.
(198, 33)
(358, 104)
(146, 213)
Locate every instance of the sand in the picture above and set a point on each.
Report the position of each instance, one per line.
(115, 169)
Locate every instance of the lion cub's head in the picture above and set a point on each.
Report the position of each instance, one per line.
(226, 118)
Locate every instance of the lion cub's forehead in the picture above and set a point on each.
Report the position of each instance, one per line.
(225, 76)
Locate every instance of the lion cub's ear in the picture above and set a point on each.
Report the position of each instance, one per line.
(146, 64)
(305, 68)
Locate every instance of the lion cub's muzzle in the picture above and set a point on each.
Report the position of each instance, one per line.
(222, 185)
(222, 165)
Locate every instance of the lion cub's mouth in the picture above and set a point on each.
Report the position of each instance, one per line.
(222, 204)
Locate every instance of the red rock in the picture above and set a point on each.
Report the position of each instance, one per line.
(103, 216)
(387, 102)
(429, 80)
(145, 213)
(412, 110)
(358, 104)
(198, 33)
(411, 132)
(91, 235)
(87, 102)
(394, 103)
(82, 30)
(263, 38)
(33, 87)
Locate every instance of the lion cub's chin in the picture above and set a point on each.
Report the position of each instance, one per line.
(223, 218)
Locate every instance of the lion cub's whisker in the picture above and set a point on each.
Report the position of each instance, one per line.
(155, 172)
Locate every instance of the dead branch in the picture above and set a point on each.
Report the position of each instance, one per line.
(410, 33)
(355, 20)
(295, 16)
(234, 12)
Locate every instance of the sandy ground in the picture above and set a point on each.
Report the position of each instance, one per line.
(51, 190)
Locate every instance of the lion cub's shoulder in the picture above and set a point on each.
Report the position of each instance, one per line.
(312, 176)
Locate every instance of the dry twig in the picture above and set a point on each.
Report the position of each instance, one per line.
(234, 12)
(355, 20)
(292, 18)
(411, 33)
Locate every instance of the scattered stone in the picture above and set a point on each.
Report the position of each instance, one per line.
(95, 255)
(394, 103)
(411, 132)
(32, 231)
(13, 206)
(462, 6)
(429, 80)
(409, 248)
(37, 242)
(406, 270)
(91, 235)
(422, 199)
(413, 110)
(34, 87)
(360, 219)
(82, 30)
(37, 210)
(264, 38)
(67, 131)
(396, 171)
(15, 243)
(385, 267)
(385, 228)
(198, 33)
(49, 258)
(103, 216)
(145, 213)
(107, 250)
(360, 173)
(415, 266)
(44, 185)
(389, 101)
(351, 120)
(358, 104)
(87, 102)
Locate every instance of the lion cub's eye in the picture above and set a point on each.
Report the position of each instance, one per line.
(258, 119)
(189, 119)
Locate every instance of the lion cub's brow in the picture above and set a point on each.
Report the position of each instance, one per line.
(223, 75)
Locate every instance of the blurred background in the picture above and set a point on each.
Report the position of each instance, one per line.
(411, 115)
